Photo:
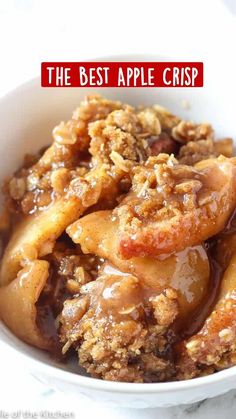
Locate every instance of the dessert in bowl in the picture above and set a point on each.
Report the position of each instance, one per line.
(119, 252)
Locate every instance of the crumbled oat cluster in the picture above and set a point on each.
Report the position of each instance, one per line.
(120, 342)
(120, 245)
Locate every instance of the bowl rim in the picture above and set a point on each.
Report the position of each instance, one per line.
(90, 382)
(116, 386)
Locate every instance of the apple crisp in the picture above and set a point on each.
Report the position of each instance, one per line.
(119, 245)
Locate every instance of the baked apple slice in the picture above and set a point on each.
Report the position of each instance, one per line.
(18, 303)
(173, 206)
(187, 272)
(35, 236)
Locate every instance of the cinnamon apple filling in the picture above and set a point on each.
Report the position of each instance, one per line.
(119, 245)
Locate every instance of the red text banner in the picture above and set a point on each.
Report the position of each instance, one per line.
(122, 74)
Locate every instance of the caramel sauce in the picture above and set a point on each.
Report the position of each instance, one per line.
(218, 265)
(48, 307)
(187, 272)
(182, 328)
(197, 309)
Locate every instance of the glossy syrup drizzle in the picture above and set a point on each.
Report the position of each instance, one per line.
(216, 274)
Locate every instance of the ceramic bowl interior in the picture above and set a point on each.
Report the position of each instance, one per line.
(27, 116)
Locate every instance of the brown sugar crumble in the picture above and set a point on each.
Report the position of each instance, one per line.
(116, 236)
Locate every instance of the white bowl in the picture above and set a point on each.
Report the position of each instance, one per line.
(27, 116)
